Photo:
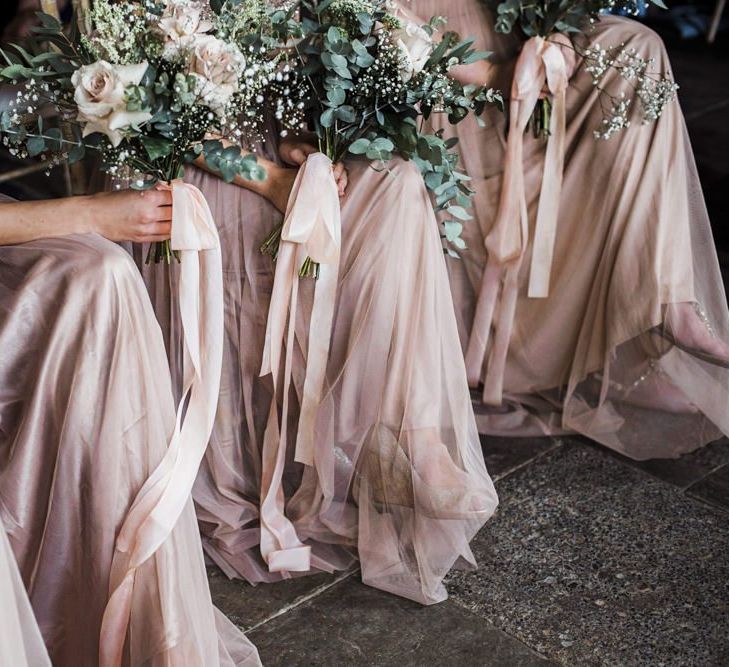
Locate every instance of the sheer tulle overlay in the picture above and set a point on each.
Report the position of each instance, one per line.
(86, 412)
(398, 479)
(21, 643)
(618, 351)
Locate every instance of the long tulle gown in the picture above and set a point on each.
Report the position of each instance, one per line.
(86, 411)
(21, 643)
(635, 270)
(399, 480)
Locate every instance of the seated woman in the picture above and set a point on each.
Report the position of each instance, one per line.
(629, 347)
(86, 412)
(398, 479)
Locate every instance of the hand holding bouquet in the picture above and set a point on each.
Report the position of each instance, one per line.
(152, 87)
(364, 77)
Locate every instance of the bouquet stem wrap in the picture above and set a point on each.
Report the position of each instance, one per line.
(540, 62)
(312, 228)
(165, 494)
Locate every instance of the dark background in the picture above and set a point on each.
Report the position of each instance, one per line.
(702, 72)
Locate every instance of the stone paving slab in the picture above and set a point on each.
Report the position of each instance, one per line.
(352, 624)
(248, 606)
(591, 561)
(688, 469)
(713, 489)
(504, 455)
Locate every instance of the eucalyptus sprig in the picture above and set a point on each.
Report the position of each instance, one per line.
(153, 87)
(371, 78)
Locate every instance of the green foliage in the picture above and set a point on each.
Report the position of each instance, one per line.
(230, 162)
(155, 151)
(545, 17)
(360, 101)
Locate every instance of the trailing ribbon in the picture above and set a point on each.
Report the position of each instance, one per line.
(313, 229)
(165, 494)
(539, 63)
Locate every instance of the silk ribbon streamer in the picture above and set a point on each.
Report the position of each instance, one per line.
(312, 228)
(162, 499)
(539, 63)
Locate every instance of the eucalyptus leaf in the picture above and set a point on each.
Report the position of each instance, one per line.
(156, 147)
(35, 146)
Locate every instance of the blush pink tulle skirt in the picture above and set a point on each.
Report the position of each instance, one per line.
(399, 482)
(634, 267)
(86, 411)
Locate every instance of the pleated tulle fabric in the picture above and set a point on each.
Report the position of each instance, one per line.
(21, 643)
(398, 481)
(634, 267)
(86, 412)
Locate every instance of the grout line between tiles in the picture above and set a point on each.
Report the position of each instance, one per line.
(707, 504)
(558, 442)
(464, 607)
(299, 601)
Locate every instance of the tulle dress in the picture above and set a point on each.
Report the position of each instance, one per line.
(635, 268)
(86, 411)
(399, 482)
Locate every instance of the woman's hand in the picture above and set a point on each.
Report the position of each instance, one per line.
(143, 217)
(295, 152)
(119, 216)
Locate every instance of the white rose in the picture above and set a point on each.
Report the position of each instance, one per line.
(181, 22)
(217, 67)
(416, 46)
(99, 95)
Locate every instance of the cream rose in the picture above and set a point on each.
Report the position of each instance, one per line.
(100, 96)
(181, 22)
(217, 67)
(416, 46)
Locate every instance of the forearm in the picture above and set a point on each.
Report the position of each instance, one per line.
(21, 222)
(263, 188)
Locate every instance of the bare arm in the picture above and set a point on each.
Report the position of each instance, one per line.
(119, 216)
(279, 181)
(275, 187)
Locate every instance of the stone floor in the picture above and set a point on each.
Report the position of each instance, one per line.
(591, 560)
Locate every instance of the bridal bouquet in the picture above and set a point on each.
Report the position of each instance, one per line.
(153, 86)
(544, 18)
(365, 77)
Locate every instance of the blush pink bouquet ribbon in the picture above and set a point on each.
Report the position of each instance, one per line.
(162, 499)
(313, 229)
(539, 63)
